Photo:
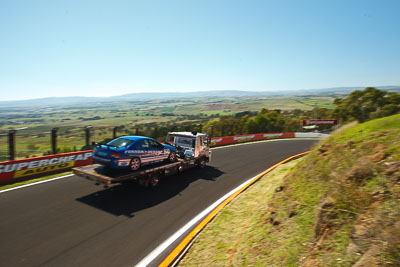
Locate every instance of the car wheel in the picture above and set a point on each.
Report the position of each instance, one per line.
(135, 163)
(172, 156)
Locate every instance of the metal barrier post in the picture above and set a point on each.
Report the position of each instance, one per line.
(11, 144)
(155, 132)
(54, 140)
(115, 132)
(87, 135)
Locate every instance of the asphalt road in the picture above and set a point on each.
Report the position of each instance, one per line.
(72, 222)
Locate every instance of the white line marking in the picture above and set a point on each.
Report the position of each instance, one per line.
(36, 183)
(156, 252)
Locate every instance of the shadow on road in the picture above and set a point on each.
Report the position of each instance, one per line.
(128, 198)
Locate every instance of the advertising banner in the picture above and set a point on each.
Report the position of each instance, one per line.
(23, 168)
(226, 140)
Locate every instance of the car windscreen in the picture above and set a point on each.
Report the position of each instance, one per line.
(120, 142)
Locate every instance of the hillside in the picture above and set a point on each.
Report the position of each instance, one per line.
(70, 100)
(338, 206)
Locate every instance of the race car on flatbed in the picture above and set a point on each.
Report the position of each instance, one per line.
(189, 149)
(133, 152)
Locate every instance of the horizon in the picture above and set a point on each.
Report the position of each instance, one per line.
(97, 49)
(347, 88)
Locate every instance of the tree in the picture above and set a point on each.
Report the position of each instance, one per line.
(367, 104)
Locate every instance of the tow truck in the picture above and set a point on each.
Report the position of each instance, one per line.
(193, 150)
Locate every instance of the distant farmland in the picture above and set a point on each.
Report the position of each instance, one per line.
(36, 121)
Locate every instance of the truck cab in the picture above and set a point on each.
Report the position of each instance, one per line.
(191, 146)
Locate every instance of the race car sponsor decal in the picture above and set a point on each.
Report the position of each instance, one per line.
(147, 152)
(124, 162)
(153, 159)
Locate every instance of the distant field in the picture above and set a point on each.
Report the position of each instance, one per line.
(279, 103)
(256, 105)
(36, 122)
(322, 102)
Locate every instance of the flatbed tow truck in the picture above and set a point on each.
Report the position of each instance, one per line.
(192, 150)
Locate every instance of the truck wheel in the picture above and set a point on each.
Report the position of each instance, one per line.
(154, 179)
(172, 157)
(135, 163)
(179, 169)
(202, 162)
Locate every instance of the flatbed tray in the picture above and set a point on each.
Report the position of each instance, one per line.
(101, 174)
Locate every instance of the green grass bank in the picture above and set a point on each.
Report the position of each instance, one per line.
(337, 206)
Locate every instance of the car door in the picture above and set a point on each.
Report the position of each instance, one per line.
(142, 149)
(158, 150)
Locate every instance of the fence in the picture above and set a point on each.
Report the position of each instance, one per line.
(4, 154)
(22, 143)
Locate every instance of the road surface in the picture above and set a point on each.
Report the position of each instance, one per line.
(72, 222)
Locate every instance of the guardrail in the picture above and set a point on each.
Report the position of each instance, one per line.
(14, 170)
(227, 140)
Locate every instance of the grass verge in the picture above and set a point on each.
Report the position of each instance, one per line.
(229, 233)
(338, 206)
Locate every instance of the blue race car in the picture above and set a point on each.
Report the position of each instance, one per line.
(133, 152)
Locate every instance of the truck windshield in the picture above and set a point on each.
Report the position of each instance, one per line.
(184, 141)
(120, 142)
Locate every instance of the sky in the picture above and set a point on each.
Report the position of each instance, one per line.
(104, 48)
